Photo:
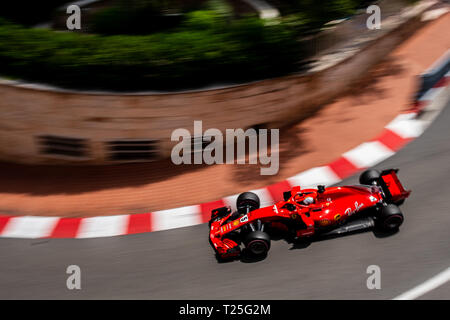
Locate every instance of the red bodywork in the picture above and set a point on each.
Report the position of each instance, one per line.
(332, 207)
(393, 187)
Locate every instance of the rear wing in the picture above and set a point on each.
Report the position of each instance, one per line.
(392, 187)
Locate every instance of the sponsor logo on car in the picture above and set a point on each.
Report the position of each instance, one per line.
(324, 222)
(244, 219)
(275, 208)
(358, 207)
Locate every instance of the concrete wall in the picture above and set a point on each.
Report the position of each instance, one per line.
(29, 112)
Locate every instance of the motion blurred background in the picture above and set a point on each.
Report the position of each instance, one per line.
(100, 103)
(87, 116)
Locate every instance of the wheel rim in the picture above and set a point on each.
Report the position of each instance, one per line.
(258, 247)
(393, 221)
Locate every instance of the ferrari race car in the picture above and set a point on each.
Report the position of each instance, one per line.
(308, 213)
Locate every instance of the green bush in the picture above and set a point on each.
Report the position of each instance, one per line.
(118, 20)
(226, 51)
(139, 17)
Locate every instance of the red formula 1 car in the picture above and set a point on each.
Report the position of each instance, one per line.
(307, 213)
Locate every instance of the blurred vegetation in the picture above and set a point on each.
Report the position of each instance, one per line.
(204, 47)
(141, 16)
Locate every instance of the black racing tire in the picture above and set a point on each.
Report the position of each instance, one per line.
(389, 218)
(248, 199)
(369, 176)
(257, 243)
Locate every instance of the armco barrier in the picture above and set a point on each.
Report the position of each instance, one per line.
(436, 72)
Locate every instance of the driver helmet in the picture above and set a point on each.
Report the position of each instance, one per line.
(308, 200)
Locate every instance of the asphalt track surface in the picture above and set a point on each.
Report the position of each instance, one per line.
(180, 264)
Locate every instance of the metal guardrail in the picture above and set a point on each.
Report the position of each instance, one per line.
(430, 77)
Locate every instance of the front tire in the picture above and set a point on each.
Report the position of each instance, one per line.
(248, 200)
(390, 218)
(257, 243)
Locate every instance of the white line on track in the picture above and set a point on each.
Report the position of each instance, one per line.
(425, 287)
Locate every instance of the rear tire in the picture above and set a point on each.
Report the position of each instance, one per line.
(248, 200)
(369, 176)
(390, 218)
(257, 243)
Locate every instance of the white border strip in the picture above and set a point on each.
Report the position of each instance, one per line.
(176, 218)
(29, 227)
(107, 226)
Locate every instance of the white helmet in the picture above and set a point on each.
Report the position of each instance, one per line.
(308, 200)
